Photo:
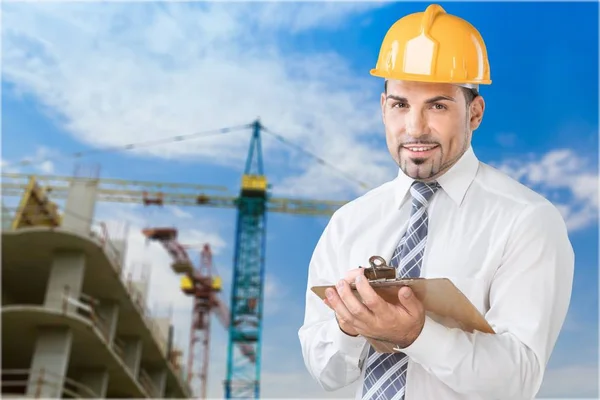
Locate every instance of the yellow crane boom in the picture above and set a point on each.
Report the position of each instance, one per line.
(161, 193)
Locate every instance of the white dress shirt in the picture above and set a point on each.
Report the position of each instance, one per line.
(503, 245)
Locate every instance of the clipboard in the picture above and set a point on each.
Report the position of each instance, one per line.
(442, 300)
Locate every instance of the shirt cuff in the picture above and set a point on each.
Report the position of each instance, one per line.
(433, 341)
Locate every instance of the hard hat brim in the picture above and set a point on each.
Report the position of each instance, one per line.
(426, 79)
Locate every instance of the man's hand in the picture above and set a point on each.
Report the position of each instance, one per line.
(349, 278)
(374, 317)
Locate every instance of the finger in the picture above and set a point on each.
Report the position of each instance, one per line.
(358, 310)
(370, 298)
(409, 301)
(353, 273)
(338, 306)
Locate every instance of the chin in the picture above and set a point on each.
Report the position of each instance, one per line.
(418, 169)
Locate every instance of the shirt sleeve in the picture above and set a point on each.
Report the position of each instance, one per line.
(529, 298)
(332, 357)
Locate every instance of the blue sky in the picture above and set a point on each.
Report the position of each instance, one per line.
(77, 77)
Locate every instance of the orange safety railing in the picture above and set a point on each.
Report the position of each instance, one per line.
(17, 381)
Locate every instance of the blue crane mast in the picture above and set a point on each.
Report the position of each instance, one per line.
(246, 306)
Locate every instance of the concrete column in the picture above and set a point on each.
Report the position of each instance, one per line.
(96, 380)
(132, 354)
(159, 379)
(80, 205)
(67, 271)
(108, 312)
(50, 362)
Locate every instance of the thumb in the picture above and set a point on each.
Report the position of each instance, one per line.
(408, 300)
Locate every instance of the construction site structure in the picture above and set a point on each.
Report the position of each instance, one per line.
(252, 203)
(74, 322)
(204, 288)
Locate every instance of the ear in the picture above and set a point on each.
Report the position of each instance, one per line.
(477, 108)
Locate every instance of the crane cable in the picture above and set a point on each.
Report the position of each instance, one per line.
(180, 138)
(136, 145)
(320, 160)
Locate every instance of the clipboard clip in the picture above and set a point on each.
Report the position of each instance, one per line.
(379, 270)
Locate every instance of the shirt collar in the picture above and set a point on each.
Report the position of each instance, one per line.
(454, 182)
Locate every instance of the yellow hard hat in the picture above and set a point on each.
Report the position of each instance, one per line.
(434, 46)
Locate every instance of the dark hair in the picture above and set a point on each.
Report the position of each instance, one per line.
(470, 94)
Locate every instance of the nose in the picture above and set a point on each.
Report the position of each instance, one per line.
(415, 123)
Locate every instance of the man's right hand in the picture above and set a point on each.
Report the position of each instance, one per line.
(349, 278)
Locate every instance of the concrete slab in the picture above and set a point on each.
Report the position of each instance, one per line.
(26, 259)
(20, 330)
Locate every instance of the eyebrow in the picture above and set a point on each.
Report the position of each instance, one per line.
(428, 101)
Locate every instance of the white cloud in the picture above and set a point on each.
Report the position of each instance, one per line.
(563, 174)
(301, 16)
(275, 300)
(47, 167)
(40, 161)
(179, 213)
(121, 73)
(7, 167)
(576, 381)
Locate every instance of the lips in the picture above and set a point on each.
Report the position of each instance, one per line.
(420, 149)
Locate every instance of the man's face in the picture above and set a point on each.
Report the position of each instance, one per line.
(428, 126)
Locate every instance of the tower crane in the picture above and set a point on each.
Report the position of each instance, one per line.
(252, 204)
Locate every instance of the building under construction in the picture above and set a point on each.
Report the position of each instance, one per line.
(81, 321)
(74, 325)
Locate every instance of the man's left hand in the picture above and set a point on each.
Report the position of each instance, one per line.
(376, 318)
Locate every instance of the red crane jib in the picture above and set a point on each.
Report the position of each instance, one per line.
(168, 238)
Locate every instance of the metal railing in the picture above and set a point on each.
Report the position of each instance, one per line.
(139, 303)
(102, 235)
(148, 384)
(35, 383)
(113, 254)
(87, 310)
(98, 232)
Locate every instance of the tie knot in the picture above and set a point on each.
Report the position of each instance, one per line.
(421, 192)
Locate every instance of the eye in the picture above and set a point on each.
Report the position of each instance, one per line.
(439, 106)
(398, 104)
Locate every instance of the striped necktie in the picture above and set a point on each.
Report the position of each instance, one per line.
(385, 375)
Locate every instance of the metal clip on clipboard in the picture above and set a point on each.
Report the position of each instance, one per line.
(381, 274)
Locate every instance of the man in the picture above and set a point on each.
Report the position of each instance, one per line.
(445, 215)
